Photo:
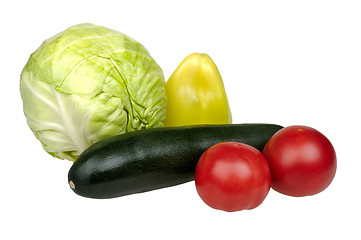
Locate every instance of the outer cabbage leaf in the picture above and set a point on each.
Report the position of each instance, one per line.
(88, 83)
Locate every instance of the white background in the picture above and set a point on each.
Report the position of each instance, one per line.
(285, 62)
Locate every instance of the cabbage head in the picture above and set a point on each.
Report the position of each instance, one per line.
(88, 83)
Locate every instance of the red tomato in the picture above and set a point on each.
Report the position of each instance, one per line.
(302, 161)
(232, 176)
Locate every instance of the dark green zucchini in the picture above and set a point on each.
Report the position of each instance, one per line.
(150, 159)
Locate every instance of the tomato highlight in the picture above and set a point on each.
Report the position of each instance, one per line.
(302, 161)
(232, 176)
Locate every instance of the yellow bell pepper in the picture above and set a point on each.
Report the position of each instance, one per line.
(196, 94)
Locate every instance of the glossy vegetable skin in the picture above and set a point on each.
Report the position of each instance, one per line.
(196, 94)
(302, 161)
(150, 159)
(232, 176)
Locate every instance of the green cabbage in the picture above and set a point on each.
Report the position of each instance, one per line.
(87, 83)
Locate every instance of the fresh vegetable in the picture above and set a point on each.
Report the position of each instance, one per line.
(150, 159)
(196, 94)
(232, 176)
(87, 83)
(302, 161)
